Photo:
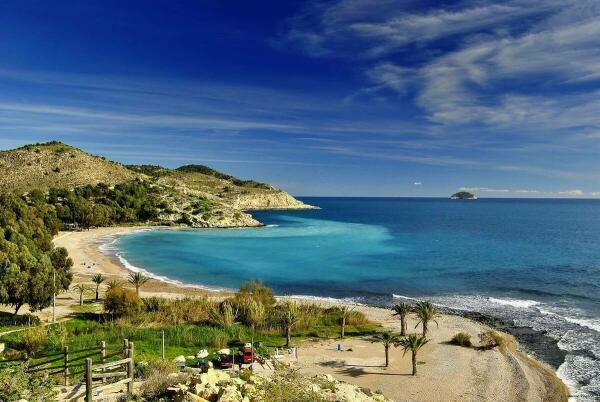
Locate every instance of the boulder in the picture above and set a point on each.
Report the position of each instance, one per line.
(230, 394)
(189, 397)
(179, 359)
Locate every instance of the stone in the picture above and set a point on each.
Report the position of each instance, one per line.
(230, 394)
(189, 397)
(2, 347)
(179, 359)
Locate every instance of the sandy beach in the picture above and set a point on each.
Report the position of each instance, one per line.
(446, 372)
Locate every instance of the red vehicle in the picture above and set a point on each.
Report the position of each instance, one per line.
(225, 361)
(247, 354)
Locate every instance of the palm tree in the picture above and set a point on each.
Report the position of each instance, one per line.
(288, 318)
(98, 279)
(387, 339)
(138, 280)
(402, 310)
(344, 314)
(81, 288)
(114, 284)
(413, 342)
(426, 312)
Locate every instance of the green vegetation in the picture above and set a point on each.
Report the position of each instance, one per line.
(211, 172)
(413, 343)
(16, 384)
(426, 312)
(462, 339)
(463, 195)
(387, 339)
(28, 259)
(402, 310)
(137, 279)
(81, 289)
(491, 339)
(100, 205)
(98, 279)
(190, 324)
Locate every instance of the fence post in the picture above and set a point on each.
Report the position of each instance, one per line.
(88, 380)
(66, 365)
(103, 356)
(130, 368)
(125, 347)
(163, 343)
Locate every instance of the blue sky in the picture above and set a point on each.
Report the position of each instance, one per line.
(347, 97)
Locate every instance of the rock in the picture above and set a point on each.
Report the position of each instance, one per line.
(189, 397)
(190, 357)
(230, 394)
(2, 347)
(179, 359)
(202, 354)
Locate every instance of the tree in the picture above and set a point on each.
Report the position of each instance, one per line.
(114, 284)
(137, 279)
(413, 342)
(345, 312)
(288, 317)
(387, 339)
(258, 291)
(402, 310)
(81, 288)
(426, 312)
(98, 279)
(256, 313)
(29, 262)
(120, 302)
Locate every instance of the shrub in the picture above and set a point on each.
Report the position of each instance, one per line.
(220, 340)
(122, 302)
(33, 339)
(288, 386)
(145, 369)
(158, 379)
(153, 304)
(490, 339)
(462, 339)
(16, 384)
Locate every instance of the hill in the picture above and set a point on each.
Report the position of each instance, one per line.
(54, 164)
(193, 195)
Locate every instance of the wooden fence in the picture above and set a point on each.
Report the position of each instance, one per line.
(75, 364)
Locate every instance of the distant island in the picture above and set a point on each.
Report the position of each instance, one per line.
(463, 195)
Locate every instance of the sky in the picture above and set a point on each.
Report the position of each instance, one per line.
(331, 98)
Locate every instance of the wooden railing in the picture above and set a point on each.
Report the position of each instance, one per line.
(70, 364)
(114, 370)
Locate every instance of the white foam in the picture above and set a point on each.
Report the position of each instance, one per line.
(322, 298)
(515, 302)
(395, 296)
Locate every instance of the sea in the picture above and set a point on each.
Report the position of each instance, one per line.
(532, 263)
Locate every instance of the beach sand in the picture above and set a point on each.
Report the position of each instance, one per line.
(446, 372)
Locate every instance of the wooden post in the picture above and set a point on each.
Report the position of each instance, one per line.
(66, 365)
(88, 380)
(103, 356)
(163, 343)
(130, 368)
(125, 347)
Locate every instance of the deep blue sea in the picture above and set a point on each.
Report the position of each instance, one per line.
(534, 262)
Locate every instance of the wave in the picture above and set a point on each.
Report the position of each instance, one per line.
(515, 302)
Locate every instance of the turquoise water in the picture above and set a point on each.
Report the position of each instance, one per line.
(536, 262)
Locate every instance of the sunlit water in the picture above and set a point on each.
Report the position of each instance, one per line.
(536, 262)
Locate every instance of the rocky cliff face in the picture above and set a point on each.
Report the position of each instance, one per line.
(267, 200)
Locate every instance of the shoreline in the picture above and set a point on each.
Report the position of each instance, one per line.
(84, 249)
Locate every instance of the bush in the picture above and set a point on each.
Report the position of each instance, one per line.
(122, 302)
(158, 379)
(461, 339)
(153, 304)
(33, 339)
(490, 339)
(16, 384)
(288, 386)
